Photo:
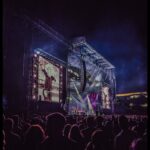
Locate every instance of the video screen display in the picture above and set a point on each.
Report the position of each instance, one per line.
(48, 80)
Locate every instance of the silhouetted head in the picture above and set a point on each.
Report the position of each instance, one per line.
(81, 126)
(123, 122)
(34, 135)
(8, 124)
(16, 119)
(90, 121)
(66, 130)
(55, 124)
(139, 144)
(99, 120)
(98, 139)
(37, 120)
(140, 129)
(74, 133)
(108, 127)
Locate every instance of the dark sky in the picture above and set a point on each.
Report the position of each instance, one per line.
(116, 29)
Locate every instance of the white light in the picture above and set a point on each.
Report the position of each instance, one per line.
(131, 104)
(37, 52)
(105, 90)
(35, 55)
(34, 75)
(34, 86)
(107, 107)
(35, 65)
(144, 105)
(105, 97)
(107, 103)
(33, 96)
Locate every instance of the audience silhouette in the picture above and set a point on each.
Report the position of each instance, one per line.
(56, 131)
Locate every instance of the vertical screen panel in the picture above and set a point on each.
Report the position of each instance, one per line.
(48, 80)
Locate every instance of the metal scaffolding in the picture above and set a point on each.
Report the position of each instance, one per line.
(96, 65)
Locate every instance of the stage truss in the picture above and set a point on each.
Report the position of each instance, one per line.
(91, 80)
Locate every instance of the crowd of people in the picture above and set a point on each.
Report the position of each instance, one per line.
(56, 131)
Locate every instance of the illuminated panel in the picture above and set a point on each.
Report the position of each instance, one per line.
(48, 80)
(105, 98)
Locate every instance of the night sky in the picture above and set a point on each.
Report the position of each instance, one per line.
(116, 29)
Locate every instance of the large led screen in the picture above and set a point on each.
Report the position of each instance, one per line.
(48, 80)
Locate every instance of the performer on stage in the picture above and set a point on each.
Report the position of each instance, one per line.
(48, 85)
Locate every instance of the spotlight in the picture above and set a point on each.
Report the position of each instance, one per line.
(33, 96)
(35, 55)
(37, 52)
(131, 104)
(144, 105)
(34, 86)
(35, 65)
(107, 107)
(107, 103)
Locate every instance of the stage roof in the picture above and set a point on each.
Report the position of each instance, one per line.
(91, 53)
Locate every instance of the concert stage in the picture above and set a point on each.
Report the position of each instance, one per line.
(85, 84)
(56, 70)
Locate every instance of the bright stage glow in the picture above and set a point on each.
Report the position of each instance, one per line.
(91, 110)
(34, 86)
(35, 55)
(105, 98)
(37, 52)
(33, 96)
(144, 105)
(131, 104)
(130, 94)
